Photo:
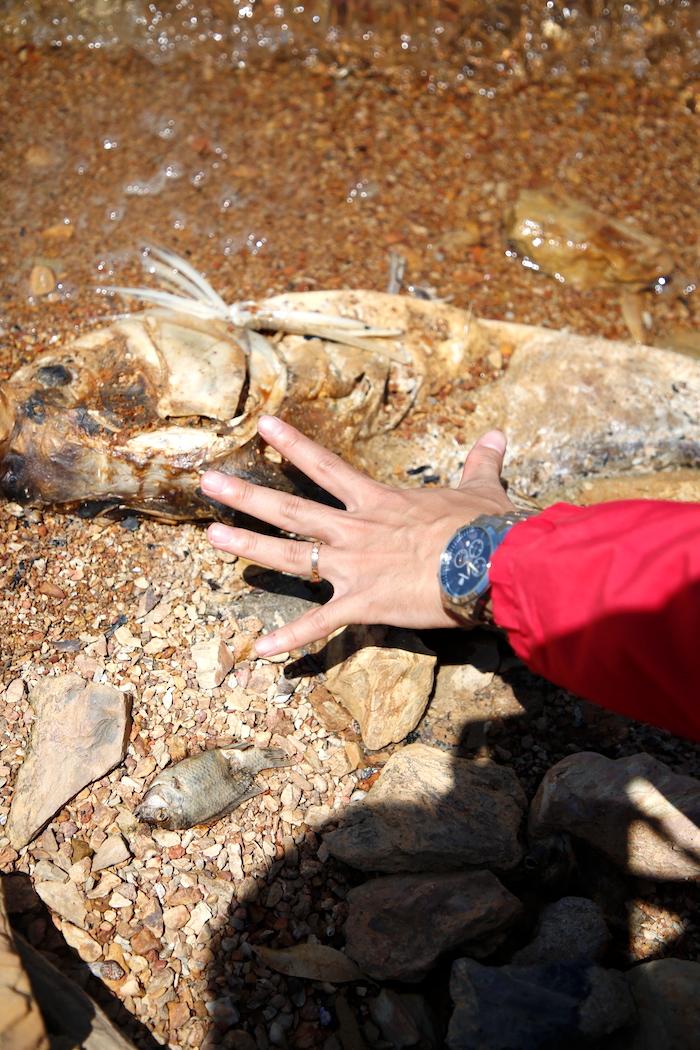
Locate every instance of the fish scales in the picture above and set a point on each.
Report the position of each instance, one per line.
(206, 786)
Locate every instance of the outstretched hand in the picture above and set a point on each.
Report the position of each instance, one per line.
(381, 554)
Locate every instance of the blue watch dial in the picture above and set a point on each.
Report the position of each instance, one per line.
(465, 561)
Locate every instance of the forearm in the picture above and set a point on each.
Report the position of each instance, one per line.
(605, 601)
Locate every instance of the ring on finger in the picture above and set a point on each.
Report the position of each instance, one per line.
(315, 549)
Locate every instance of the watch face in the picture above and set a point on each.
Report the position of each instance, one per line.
(465, 561)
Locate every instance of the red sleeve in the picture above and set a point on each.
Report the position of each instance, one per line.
(605, 601)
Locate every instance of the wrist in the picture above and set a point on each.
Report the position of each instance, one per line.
(465, 562)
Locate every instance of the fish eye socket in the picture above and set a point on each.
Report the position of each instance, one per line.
(161, 813)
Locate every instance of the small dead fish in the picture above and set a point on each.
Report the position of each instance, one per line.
(578, 244)
(207, 786)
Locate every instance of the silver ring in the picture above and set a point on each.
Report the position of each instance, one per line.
(315, 575)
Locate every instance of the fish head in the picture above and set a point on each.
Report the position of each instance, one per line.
(163, 806)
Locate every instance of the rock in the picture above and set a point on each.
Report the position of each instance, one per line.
(38, 156)
(532, 1007)
(652, 930)
(643, 816)
(21, 1023)
(398, 926)
(64, 899)
(404, 1019)
(666, 994)
(87, 948)
(580, 245)
(42, 280)
(143, 941)
(569, 929)
(80, 734)
(200, 916)
(625, 409)
(113, 850)
(175, 918)
(328, 711)
(213, 660)
(384, 677)
(428, 811)
(14, 694)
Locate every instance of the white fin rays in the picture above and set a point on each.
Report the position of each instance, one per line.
(184, 290)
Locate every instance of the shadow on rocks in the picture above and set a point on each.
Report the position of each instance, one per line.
(487, 898)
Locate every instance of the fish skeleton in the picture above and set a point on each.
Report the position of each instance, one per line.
(129, 414)
(207, 786)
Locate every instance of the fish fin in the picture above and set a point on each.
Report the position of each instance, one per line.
(259, 789)
(255, 759)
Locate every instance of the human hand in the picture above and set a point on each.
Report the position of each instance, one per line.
(381, 553)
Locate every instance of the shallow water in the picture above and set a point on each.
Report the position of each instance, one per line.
(288, 146)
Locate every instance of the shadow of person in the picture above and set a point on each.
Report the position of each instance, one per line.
(503, 736)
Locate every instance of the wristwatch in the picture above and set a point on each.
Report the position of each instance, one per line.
(465, 562)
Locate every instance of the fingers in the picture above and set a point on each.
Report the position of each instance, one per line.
(324, 467)
(286, 511)
(485, 460)
(283, 555)
(311, 627)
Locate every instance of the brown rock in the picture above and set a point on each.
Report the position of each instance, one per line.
(384, 677)
(666, 994)
(398, 926)
(429, 811)
(643, 816)
(143, 941)
(85, 945)
(175, 918)
(568, 929)
(51, 590)
(213, 660)
(328, 711)
(81, 733)
(178, 1014)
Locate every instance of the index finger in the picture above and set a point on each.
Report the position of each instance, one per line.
(325, 468)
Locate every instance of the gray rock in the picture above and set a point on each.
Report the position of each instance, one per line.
(642, 815)
(535, 1007)
(574, 406)
(668, 1003)
(398, 926)
(80, 734)
(429, 811)
(404, 1019)
(384, 677)
(569, 929)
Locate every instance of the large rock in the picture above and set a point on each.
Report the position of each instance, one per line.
(569, 929)
(536, 1007)
(429, 811)
(80, 734)
(64, 899)
(636, 810)
(404, 1019)
(668, 1003)
(573, 406)
(398, 926)
(384, 677)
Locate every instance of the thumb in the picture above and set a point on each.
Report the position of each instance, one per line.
(485, 460)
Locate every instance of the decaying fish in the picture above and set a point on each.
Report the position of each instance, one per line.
(207, 786)
(575, 243)
(130, 414)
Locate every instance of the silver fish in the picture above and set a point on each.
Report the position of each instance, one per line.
(207, 786)
(129, 414)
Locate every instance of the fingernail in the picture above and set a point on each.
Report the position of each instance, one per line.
(269, 425)
(216, 533)
(212, 482)
(495, 439)
(265, 645)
